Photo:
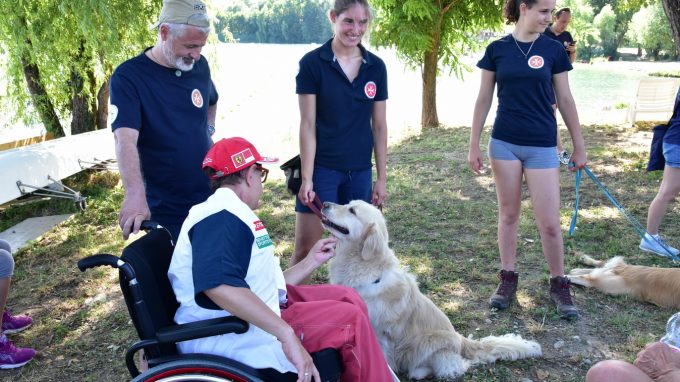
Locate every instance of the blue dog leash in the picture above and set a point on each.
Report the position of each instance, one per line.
(639, 228)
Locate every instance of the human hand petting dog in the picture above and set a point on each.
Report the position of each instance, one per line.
(322, 251)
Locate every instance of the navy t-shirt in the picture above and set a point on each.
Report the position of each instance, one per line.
(525, 89)
(171, 114)
(564, 38)
(344, 138)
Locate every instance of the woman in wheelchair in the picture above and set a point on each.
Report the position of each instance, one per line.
(224, 264)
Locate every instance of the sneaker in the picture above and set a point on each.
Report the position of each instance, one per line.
(11, 356)
(561, 295)
(14, 324)
(506, 290)
(655, 244)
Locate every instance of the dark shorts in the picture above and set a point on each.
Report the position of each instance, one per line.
(339, 187)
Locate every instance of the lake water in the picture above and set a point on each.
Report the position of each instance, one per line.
(256, 83)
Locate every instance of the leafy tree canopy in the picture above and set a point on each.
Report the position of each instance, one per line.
(73, 47)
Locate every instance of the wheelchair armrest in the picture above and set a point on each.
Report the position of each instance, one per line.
(201, 329)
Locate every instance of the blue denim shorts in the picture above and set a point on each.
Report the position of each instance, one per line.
(671, 153)
(531, 157)
(339, 187)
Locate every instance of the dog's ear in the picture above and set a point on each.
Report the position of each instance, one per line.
(374, 242)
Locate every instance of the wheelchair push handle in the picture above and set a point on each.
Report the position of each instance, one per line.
(148, 225)
(98, 261)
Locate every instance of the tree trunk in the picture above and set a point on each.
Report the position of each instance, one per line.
(429, 117)
(672, 9)
(81, 114)
(41, 100)
(103, 102)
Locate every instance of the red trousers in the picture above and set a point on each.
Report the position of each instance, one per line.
(333, 316)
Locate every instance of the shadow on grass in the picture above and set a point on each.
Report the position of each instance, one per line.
(442, 223)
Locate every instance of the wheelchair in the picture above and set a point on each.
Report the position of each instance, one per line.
(151, 303)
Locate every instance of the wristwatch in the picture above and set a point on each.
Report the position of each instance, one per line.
(211, 129)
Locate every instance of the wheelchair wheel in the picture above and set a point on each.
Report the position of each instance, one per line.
(197, 370)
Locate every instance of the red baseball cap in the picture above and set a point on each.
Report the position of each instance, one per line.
(230, 155)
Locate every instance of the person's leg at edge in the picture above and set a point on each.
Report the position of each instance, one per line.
(10, 356)
(615, 370)
(333, 316)
(668, 191)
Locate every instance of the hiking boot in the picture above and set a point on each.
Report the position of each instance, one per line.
(11, 356)
(655, 244)
(14, 324)
(561, 295)
(506, 290)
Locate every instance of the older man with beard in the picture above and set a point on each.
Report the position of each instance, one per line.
(162, 113)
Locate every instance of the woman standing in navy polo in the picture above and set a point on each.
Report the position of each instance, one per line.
(528, 68)
(342, 91)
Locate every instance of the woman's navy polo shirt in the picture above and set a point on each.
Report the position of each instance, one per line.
(525, 114)
(344, 138)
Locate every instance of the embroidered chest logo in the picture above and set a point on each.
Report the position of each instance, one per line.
(370, 89)
(258, 225)
(536, 62)
(197, 98)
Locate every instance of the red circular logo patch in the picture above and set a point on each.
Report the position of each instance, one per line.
(197, 98)
(536, 62)
(370, 89)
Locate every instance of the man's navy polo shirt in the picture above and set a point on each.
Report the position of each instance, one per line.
(344, 138)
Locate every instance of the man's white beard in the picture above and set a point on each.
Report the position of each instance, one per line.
(174, 60)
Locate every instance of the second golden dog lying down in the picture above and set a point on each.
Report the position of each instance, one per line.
(416, 337)
(660, 286)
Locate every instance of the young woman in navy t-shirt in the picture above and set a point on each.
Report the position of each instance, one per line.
(530, 70)
(342, 91)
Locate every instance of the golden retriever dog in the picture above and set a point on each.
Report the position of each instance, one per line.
(659, 286)
(416, 337)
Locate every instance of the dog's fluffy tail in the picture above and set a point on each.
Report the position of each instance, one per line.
(505, 347)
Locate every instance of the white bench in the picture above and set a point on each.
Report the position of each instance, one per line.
(655, 95)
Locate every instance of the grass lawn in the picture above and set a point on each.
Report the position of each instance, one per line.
(442, 222)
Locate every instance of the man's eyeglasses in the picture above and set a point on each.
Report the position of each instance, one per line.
(263, 172)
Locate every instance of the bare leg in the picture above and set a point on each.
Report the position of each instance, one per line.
(308, 230)
(544, 187)
(668, 191)
(508, 177)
